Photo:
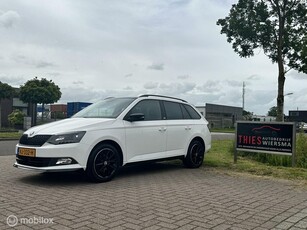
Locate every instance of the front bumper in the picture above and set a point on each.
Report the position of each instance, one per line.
(58, 168)
(47, 156)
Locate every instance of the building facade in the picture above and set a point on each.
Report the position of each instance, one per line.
(221, 116)
(297, 116)
(8, 106)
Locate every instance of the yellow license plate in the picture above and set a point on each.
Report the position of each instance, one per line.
(27, 152)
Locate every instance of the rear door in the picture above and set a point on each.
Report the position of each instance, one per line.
(179, 128)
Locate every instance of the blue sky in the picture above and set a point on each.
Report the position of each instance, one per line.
(94, 49)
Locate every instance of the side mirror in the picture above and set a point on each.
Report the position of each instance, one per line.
(136, 117)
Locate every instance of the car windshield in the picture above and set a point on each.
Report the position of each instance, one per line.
(108, 108)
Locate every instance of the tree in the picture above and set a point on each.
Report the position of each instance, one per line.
(37, 91)
(6, 92)
(16, 118)
(273, 111)
(278, 27)
(248, 116)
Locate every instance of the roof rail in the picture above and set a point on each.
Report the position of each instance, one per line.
(154, 95)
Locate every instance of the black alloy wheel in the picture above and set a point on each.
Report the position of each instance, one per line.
(103, 163)
(195, 154)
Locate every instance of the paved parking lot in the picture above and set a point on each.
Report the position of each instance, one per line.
(157, 196)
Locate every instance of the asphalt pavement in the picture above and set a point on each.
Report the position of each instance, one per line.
(222, 136)
(7, 147)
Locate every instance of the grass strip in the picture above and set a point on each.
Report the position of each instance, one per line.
(221, 157)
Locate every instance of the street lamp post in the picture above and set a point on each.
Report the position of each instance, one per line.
(283, 117)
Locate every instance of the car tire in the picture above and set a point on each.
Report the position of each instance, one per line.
(195, 154)
(103, 163)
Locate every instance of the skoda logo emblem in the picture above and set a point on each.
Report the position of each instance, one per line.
(31, 134)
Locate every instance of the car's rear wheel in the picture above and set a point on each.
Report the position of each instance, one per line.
(103, 163)
(195, 154)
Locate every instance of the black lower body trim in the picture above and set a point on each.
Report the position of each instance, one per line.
(39, 161)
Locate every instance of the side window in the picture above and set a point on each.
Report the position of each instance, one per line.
(173, 110)
(192, 112)
(185, 113)
(150, 108)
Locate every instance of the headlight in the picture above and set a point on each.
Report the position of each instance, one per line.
(66, 138)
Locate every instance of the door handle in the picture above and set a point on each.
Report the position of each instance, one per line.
(162, 129)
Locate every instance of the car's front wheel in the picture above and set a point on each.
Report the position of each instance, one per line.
(103, 163)
(195, 154)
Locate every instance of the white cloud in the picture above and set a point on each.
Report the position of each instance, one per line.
(95, 49)
(9, 19)
(78, 82)
(171, 89)
(156, 66)
(129, 75)
(128, 88)
(183, 77)
(210, 87)
(43, 64)
(151, 85)
(253, 78)
(234, 83)
(297, 76)
(14, 81)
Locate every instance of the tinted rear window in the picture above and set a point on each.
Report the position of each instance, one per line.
(185, 113)
(192, 112)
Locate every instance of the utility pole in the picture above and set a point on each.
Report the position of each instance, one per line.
(243, 96)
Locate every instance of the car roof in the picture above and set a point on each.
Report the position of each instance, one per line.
(162, 96)
(152, 96)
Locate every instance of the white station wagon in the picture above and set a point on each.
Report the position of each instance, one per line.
(114, 132)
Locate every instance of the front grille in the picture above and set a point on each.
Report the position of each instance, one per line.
(37, 140)
(36, 161)
(39, 161)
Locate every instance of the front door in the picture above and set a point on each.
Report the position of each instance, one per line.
(146, 139)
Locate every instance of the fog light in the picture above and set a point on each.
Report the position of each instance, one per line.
(64, 161)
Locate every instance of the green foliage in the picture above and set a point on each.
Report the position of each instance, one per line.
(271, 159)
(58, 115)
(220, 157)
(6, 91)
(40, 91)
(273, 111)
(220, 154)
(10, 135)
(224, 130)
(268, 25)
(16, 117)
(276, 27)
(279, 160)
(301, 150)
(248, 116)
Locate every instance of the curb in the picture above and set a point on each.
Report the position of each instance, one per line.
(9, 139)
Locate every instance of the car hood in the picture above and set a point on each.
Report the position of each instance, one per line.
(69, 125)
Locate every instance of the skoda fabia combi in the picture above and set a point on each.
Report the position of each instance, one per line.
(114, 132)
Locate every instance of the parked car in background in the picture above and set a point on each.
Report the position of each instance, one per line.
(304, 127)
(114, 132)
